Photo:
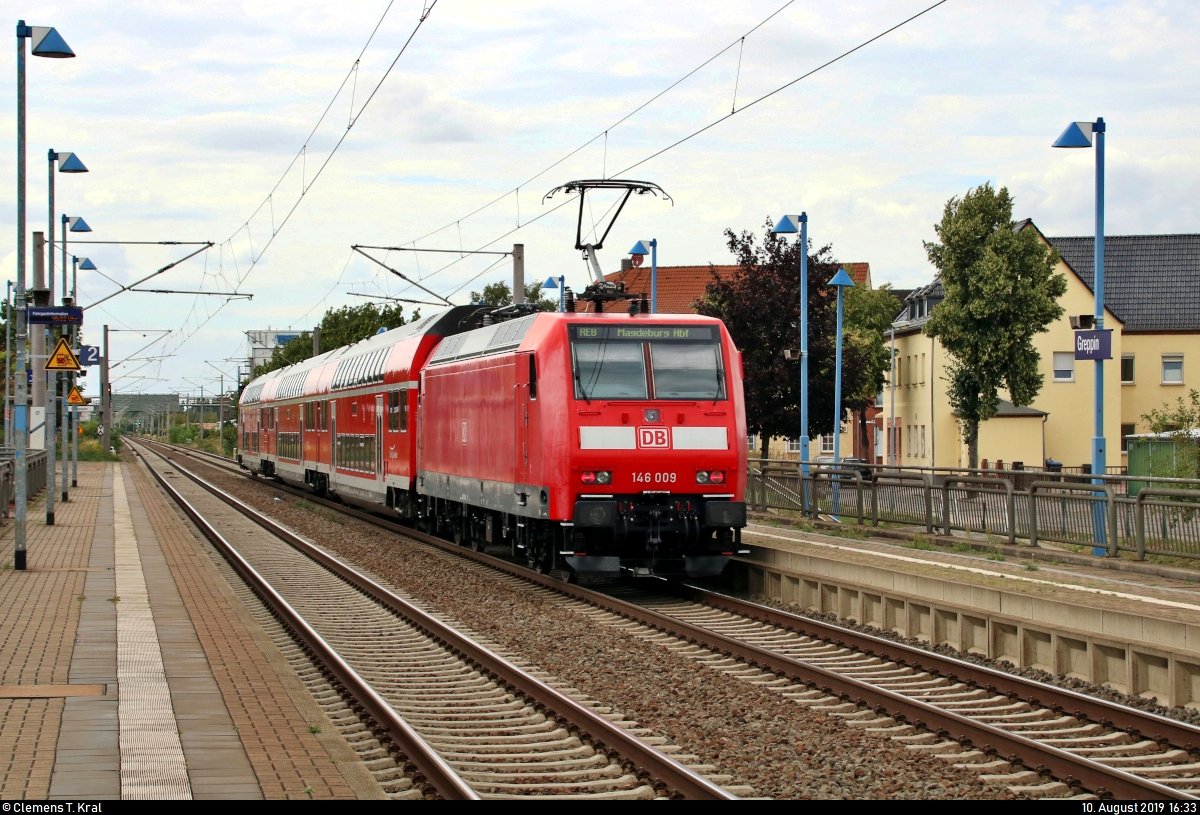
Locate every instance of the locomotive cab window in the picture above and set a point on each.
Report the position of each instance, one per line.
(532, 377)
(647, 362)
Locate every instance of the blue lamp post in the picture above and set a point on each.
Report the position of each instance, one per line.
(87, 265)
(790, 225)
(559, 284)
(841, 281)
(46, 43)
(640, 250)
(1079, 134)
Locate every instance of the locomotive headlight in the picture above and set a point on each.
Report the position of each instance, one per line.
(701, 477)
(596, 477)
(716, 477)
(588, 478)
(604, 477)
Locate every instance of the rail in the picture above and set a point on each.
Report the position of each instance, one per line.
(429, 764)
(993, 740)
(678, 777)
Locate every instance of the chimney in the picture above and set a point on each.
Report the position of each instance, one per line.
(626, 264)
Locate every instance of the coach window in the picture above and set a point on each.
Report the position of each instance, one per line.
(404, 410)
(325, 415)
(274, 418)
(393, 411)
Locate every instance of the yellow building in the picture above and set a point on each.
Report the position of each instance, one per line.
(1152, 303)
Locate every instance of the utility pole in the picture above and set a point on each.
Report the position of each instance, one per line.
(221, 419)
(317, 341)
(518, 255)
(37, 343)
(105, 394)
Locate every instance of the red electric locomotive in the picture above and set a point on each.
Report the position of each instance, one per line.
(590, 443)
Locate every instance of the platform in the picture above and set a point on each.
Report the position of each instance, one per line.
(132, 670)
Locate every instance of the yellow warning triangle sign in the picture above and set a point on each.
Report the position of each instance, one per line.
(75, 397)
(62, 358)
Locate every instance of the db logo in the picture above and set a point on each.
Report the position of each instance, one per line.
(653, 437)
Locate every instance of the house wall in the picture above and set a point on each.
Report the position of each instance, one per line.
(921, 402)
(1007, 439)
(1069, 427)
(1147, 391)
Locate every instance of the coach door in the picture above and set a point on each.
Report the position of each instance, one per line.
(379, 437)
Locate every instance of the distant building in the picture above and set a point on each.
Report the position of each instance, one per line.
(261, 344)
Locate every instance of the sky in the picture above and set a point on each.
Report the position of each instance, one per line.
(204, 122)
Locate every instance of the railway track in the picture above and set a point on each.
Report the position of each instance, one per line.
(464, 720)
(1038, 738)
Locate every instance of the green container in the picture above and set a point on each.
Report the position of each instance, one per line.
(1163, 458)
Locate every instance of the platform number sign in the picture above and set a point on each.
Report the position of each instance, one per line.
(653, 437)
(89, 354)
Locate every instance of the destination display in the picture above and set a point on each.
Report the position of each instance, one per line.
(54, 315)
(642, 333)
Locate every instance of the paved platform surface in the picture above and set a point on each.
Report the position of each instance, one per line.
(130, 669)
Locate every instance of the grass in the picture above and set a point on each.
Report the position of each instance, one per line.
(312, 728)
(847, 532)
(997, 557)
(921, 542)
(303, 504)
(1030, 566)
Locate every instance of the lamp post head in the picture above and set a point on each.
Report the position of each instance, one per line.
(77, 224)
(70, 163)
(640, 248)
(550, 283)
(47, 42)
(87, 265)
(842, 279)
(789, 224)
(1078, 134)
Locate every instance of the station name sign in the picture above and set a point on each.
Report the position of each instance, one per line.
(641, 333)
(54, 315)
(1094, 344)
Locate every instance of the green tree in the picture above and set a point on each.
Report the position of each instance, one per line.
(1182, 422)
(340, 326)
(760, 307)
(500, 294)
(1001, 290)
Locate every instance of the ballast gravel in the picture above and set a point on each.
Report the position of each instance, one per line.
(781, 749)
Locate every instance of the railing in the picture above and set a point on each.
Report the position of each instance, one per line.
(1037, 505)
(36, 461)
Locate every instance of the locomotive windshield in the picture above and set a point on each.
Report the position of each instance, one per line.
(647, 362)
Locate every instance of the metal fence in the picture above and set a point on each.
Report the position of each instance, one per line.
(1161, 518)
(36, 461)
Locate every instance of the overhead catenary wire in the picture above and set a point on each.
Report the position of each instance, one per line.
(736, 111)
(255, 258)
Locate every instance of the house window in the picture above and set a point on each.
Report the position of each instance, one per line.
(1127, 430)
(879, 399)
(752, 441)
(922, 441)
(1064, 366)
(1127, 369)
(827, 443)
(922, 369)
(1172, 369)
(908, 438)
(793, 445)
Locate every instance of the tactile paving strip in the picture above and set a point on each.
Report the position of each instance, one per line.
(152, 762)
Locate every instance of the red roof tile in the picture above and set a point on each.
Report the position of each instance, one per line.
(679, 287)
